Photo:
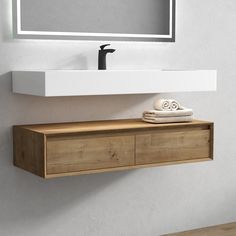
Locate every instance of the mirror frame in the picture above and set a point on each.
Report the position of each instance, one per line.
(21, 34)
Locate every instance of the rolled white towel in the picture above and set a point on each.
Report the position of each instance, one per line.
(174, 105)
(162, 105)
(166, 105)
(161, 120)
(180, 112)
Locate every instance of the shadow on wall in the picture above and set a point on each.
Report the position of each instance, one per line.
(78, 62)
(31, 198)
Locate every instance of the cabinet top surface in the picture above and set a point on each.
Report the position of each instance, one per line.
(107, 125)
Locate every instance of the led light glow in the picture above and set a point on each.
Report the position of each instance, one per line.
(56, 33)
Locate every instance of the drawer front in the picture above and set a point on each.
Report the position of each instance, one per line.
(73, 154)
(173, 145)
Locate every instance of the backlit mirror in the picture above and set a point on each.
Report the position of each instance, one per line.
(119, 20)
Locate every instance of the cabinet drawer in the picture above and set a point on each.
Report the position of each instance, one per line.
(173, 145)
(76, 153)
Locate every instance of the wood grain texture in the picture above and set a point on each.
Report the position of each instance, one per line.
(69, 154)
(125, 168)
(56, 150)
(105, 125)
(28, 151)
(172, 145)
(219, 230)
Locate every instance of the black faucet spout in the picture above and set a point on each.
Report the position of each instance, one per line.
(109, 50)
(102, 56)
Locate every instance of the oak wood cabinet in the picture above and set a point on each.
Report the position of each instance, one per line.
(54, 150)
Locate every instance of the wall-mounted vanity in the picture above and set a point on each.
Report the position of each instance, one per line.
(56, 150)
(53, 150)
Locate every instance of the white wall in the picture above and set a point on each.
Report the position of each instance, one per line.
(146, 202)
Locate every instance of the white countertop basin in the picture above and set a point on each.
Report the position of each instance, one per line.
(52, 83)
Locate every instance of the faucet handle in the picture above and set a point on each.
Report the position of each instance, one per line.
(104, 45)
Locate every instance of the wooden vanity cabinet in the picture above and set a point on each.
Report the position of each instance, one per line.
(54, 150)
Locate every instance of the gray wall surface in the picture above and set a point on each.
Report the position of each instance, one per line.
(145, 202)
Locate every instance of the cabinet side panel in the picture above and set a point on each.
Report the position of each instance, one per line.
(29, 150)
(212, 141)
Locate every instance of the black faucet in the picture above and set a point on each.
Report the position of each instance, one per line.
(102, 56)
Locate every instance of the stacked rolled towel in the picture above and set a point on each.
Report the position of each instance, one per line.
(168, 111)
(166, 105)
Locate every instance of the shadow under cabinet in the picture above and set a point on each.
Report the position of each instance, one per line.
(65, 149)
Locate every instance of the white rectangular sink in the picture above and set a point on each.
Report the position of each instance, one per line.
(51, 83)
